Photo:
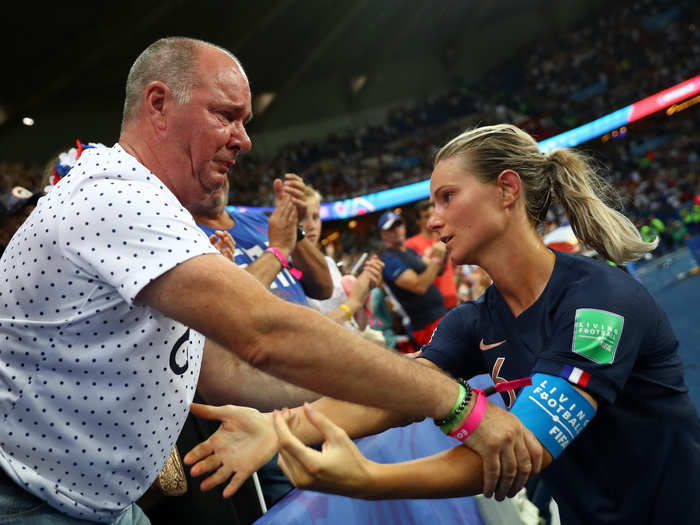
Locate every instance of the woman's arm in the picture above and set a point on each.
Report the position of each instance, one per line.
(341, 468)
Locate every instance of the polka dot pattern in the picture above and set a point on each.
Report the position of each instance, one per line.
(94, 388)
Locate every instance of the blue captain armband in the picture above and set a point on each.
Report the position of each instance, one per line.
(554, 411)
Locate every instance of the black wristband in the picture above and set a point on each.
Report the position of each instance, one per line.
(451, 418)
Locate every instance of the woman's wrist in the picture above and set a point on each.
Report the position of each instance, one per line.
(372, 487)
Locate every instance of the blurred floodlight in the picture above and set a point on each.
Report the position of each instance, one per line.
(357, 83)
(28, 121)
(262, 101)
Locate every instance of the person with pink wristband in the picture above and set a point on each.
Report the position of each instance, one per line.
(579, 351)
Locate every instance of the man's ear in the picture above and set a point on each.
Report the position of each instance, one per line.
(510, 186)
(156, 100)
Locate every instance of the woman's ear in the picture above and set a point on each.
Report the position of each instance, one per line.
(509, 185)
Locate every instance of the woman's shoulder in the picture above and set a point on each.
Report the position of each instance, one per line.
(586, 281)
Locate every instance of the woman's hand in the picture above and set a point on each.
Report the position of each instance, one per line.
(244, 442)
(373, 269)
(339, 468)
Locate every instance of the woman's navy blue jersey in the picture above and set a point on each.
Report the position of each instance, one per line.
(638, 460)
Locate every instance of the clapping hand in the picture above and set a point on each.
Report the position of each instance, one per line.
(222, 241)
(282, 223)
(293, 186)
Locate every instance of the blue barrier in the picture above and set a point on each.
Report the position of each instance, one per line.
(660, 272)
(302, 507)
(693, 245)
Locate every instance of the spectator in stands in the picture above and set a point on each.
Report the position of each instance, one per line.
(422, 242)
(268, 252)
(120, 274)
(15, 207)
(346, 307)
(410, 279)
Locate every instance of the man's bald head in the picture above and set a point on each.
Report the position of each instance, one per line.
(170, 60)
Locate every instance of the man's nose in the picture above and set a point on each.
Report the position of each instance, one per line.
(239, 138)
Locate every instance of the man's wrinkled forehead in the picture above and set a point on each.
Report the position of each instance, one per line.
(215, 65)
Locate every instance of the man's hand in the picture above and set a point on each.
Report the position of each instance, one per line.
(438, 251)
(223, 242)
(282, 225)
(510, 452)
(244, 442)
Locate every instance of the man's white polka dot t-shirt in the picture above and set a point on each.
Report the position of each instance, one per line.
(94, 387)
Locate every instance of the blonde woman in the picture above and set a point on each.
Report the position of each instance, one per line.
(618, 433)
(344, 308)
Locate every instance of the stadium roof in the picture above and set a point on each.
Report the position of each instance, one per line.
(75, 57)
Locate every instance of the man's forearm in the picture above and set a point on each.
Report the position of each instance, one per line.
(316, 278)
(418, 283)
(310, 350)
(427, 278)
(293, 342)
(265, 268)
(226, 379)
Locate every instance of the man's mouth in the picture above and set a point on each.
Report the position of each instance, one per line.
(446, 238)
(226, 164)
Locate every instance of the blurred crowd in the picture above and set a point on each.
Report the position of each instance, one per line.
(618, 57)
(627, 53)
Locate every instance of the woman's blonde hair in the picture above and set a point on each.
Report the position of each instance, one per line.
(570, 175)
(311, 192)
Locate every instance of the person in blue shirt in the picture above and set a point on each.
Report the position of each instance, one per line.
(410, 279)
(271, 249)
(619, 435)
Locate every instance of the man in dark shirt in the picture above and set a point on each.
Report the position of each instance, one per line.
(411, 279)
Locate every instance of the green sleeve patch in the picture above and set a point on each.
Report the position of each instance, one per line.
(597, 334)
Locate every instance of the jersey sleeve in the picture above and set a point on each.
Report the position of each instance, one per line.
(454, 346)
(597, 336)
(128, 233)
